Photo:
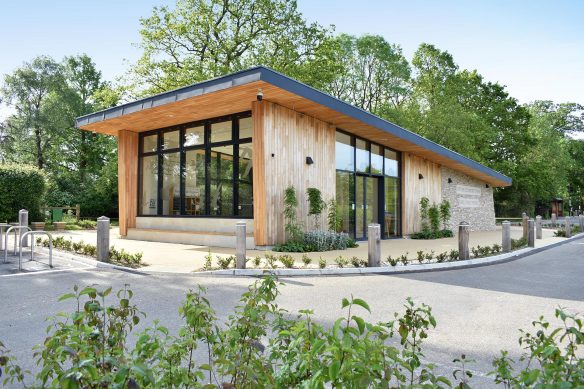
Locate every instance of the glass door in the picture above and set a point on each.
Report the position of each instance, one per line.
(367, 201)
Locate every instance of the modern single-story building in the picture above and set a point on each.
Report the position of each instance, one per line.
(195, 160)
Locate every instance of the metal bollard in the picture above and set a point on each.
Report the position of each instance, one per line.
(554, 219)
(531, 233)
(581, 220)
(463, 231)
(240, 237)
(538, 230)
(103, 239)
(568, 227)
(23, 221)
(374, 245)
(506, 240)
(524, 219)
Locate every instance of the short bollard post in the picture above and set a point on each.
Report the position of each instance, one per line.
(103, 239)
(538, 231)
(463, 251)
(240, 244)
(506, 241)
(23, 221)
(531, 233)
(581, 219)
(554, 219)
(374, 241)
(524, 219)
(568, 227)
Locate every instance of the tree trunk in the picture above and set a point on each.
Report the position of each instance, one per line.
(83, 156)
(39, 149)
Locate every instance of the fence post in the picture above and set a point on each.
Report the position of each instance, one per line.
(524, 225)
(554, 219)
(103, 239)
(568, 227)
(23, 221)
(374, 245)
(531, 233)
(463, 251)
(78, 212)
(538, 230)
(240, 237)
(506, 241)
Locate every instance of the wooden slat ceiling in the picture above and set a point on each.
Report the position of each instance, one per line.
(239, 98)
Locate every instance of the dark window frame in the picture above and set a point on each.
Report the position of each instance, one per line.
(207, 146)
(382, 176)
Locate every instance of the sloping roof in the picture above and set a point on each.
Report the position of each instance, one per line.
(261, 75)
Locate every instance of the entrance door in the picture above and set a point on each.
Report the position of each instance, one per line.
(367, 201)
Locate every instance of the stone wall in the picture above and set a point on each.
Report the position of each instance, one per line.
(471, 201)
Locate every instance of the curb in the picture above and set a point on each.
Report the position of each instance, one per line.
(87, 261)
(400, 269)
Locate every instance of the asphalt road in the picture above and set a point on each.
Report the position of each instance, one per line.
(479, 310)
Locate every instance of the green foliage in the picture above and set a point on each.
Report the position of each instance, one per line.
(257, 261)
(424, 214)
(562, 232)
(432, 234)
(335, 221)
(208, 261)
(453, 255)
(321, 263)
(286, 260)
(294, 247)
(518, 243)
(327, 240)
(23, 187)
(392, 261)
(293, 227)
(341, 261)
(306, 260)
(315, 205)
(434, 217)
(442, 257)
(445, 213)
(225, 262)
(271, 261)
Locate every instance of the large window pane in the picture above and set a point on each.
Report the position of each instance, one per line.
(376, 160)
(150, 143)
(221, 181)
(194, 136)
(362, 156)
(245, 204)
(391, 206)
(149, 174)
(171, 184)
(195, 182)
(245, 128)
(391, 163)
(221, 132)
(170, 140)
(344, 155)
(344, 196)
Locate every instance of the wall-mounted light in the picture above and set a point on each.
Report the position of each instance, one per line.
(309, 161)
(260, 95)
(487, 186)
(273, 155)
(449, 180)
(420, 176)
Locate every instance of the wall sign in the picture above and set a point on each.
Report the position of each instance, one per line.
(468, 196)
(467, 190)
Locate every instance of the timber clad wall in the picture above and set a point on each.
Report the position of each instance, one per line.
(291, 137)
(127, 179)
(414, 189)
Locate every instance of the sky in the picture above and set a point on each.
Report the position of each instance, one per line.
(535, 48)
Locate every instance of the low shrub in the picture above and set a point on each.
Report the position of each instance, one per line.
(271, 261)
(257, 261)
(306, 260)
(404, 259)
(341, 261)
(286, 260)
(453, 255)
(392, 261)
(420, 256)
(23, 187)
(208, 261)
(321, 263)
(357, 262)
(294, 247)
(442, 257)
(225, 262)
(561, 233)
(518, 243)
(327, 240)
(428, 234)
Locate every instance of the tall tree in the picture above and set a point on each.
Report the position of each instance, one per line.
(201, 39)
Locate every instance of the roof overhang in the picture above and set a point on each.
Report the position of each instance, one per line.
(235, 92)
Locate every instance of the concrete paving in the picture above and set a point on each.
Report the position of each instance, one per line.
(479, 310)
(180, 258)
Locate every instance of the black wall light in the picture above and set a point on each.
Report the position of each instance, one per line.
(309, 161)
(449, 180)
(420, 176)
(486, 185)
(260, 95)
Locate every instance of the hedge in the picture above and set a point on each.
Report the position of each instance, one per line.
(21, 187)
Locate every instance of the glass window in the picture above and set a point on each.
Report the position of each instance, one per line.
(194, 136)
(344, 197)
(362, 156)
(245, 194)
(245, 128)
(221, 132)
(376, 160)
(391, 213)
(171, 184)
(170, 140)
(221, 181)
(195, 182)
(391, 163)
(148, 200)
(150, 143)
(344, 155)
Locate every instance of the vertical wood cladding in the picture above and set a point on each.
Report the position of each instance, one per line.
(127, 179)
(283, 138)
